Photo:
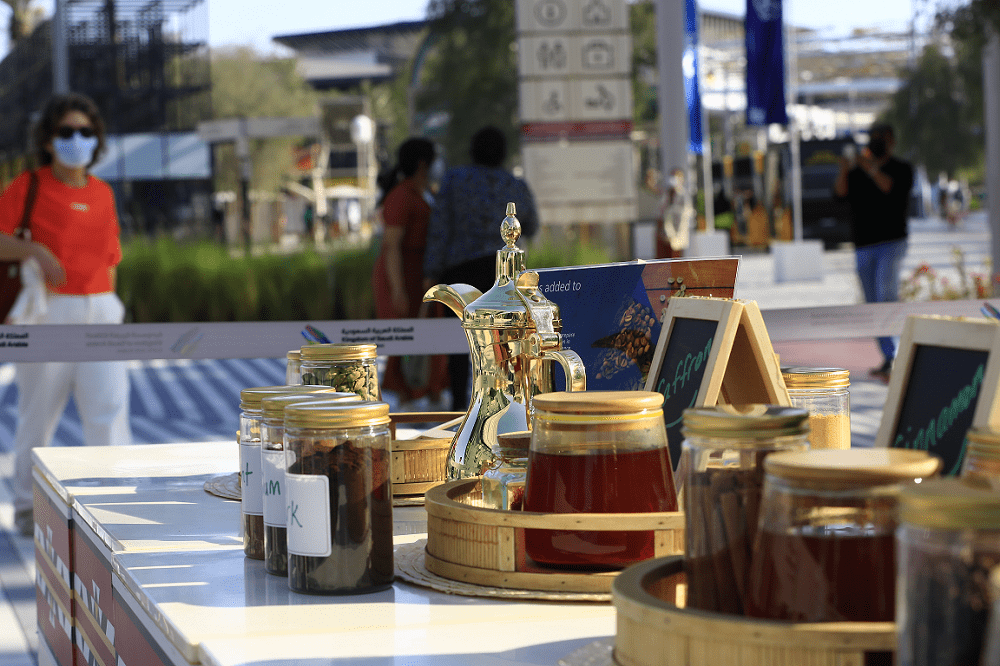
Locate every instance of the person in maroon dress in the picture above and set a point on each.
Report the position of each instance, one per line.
(398, 276)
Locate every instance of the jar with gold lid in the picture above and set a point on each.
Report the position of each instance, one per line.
(982, 455)
(272, 446)
(948, 542)
(825, 546)
(597, 452)
(344, 367)
(339, 497)
(824, 393)
(722, 470)
(293, 363)
(251, 466)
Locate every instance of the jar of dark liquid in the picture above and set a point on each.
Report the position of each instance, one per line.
(597, 452)
(273, 468)
(339, 511)
(948, 542)
(251, 468)
(722, 463)
(825, 549)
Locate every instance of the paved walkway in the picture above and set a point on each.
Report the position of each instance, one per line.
(198, 400)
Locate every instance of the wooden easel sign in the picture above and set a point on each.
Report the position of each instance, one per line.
(711, 348)
(944, 381)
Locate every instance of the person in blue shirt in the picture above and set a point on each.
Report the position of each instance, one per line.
(464, 231)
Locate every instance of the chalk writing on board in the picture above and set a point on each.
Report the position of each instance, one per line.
(940, 400)
(680, 374)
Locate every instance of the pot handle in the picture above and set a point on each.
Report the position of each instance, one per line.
(572, 365)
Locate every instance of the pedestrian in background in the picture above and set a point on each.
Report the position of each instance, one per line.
(464, 233)
(877, 186)
(398, 275)
(75, 240)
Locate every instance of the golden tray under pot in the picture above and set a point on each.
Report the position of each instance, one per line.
(655, 629)
(471, 543)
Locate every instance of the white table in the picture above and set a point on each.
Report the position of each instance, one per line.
(159, 576)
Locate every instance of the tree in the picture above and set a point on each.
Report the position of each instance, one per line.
(471, 75)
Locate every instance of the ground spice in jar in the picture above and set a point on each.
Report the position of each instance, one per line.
(824, 393)
(340, 497)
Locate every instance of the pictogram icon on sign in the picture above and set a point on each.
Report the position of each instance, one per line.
(598, 54)
(596, 14)
(553, 104)
(604, 99)
(551, 55)
(550, 13)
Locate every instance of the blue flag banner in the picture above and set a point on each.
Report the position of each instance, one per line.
(765, 63)
(690, 65)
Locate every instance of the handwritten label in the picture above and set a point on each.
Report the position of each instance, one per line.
(939, 403)
(250, 479)
(680, 374)
(273, 463)
(308, 515)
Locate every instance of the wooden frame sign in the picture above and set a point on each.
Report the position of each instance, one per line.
(943, 382)
(711, 348)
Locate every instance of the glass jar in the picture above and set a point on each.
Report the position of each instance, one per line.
(504, 481)
(982, 455)
(293, 372)
(339, 497)
(722, 468)
(948, 542)
(823, 392)
(991, 645)
(344, 367)
(273, 467)
(825, 548)
(251, 468)
(597, 452)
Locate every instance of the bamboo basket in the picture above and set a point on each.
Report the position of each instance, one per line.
(654, 629)
(485, 546)
(419, 464)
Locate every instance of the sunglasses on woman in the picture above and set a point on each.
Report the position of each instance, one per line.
(67, 132)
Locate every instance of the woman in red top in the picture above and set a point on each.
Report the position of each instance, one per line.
(74, 239)
(398, 276)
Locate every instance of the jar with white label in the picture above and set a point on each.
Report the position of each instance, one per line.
(345, 367)
(273, 468)
(339, 497)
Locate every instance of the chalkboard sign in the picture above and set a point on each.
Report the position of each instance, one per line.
(943, 383)
(690, 358)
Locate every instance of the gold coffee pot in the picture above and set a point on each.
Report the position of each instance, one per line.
(514, 335)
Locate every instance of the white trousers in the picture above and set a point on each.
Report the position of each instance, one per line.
(100, 389)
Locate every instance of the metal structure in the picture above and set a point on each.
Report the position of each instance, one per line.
(142, 61)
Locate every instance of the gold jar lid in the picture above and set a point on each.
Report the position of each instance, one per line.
(336, 414)
(250, 398)
(294, 355)
(801, 377)
(752, 421)
(951, 503)
(273, 407)
(336, 351)
(984, 443)
(851, 468)
(598, 410)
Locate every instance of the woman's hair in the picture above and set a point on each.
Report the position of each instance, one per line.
(408, 158)
(488, 147)
(55, 110)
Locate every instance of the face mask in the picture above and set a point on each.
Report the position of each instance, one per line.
(76, 151)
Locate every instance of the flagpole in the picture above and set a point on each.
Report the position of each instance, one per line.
(793, 128)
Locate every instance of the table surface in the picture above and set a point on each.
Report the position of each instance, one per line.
(177, 549)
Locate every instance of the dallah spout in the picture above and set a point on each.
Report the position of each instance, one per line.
(455, 296)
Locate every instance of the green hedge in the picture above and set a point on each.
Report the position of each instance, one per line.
(168, 281)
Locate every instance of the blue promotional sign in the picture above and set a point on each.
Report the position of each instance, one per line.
(765, 63)
(690, 65)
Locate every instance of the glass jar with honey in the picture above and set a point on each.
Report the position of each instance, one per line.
(597, 452)
(825, 549)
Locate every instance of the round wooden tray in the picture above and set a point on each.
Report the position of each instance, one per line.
(470, 543)
(654, 629)
(419, 464)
